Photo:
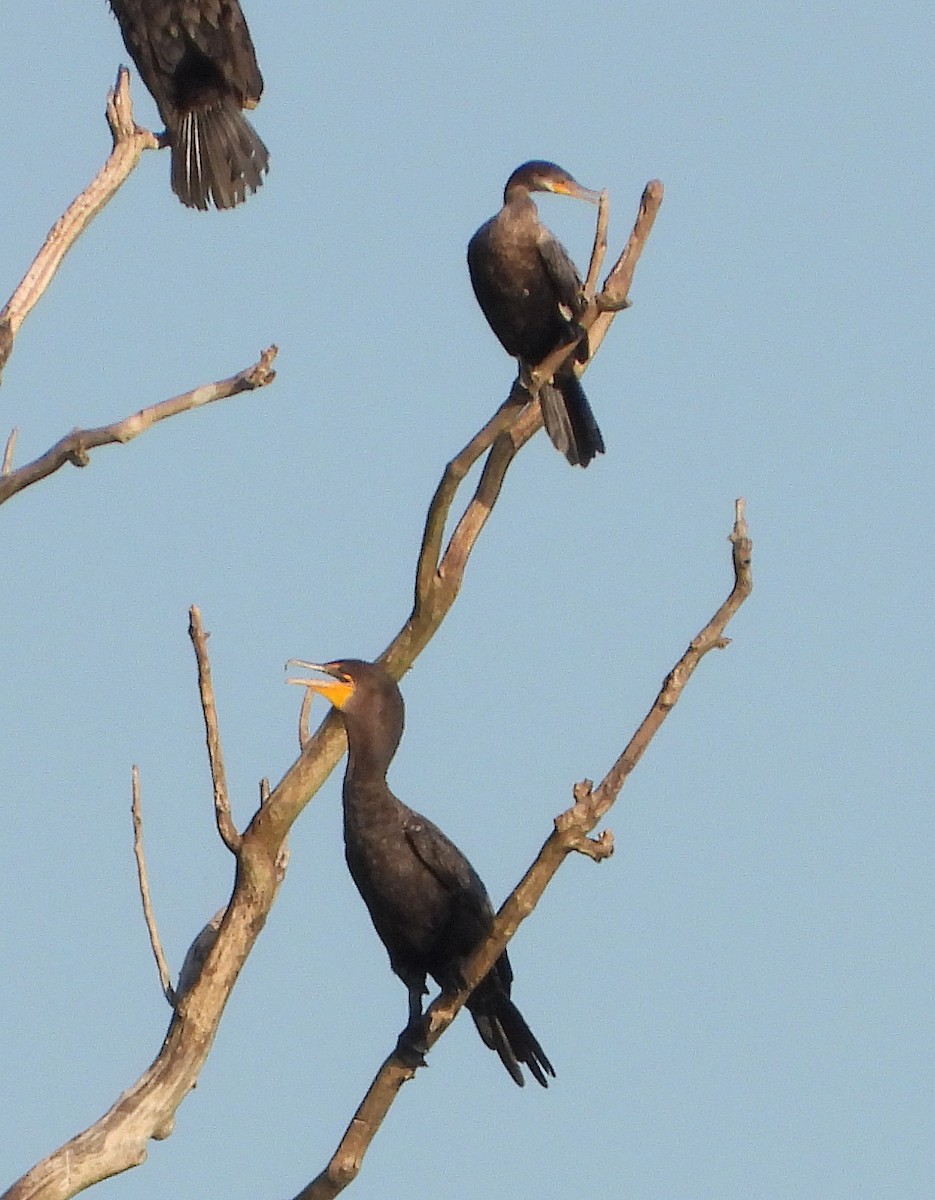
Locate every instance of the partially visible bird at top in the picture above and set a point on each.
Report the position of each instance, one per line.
(197, 59)
(426, 901)
(531, 294)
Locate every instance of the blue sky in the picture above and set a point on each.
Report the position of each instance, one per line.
(739, 1003)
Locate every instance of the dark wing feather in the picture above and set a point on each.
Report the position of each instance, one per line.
(218, 29)
(562, 273)
(447, 864)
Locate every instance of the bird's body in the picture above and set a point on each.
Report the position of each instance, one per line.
(426, 901)
(529, 290)
(197, 59)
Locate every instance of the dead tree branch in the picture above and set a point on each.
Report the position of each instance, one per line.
(129, 143)
(117, 1141)
(154, 940)
(600, 245)
(570, 835)
(222, 805)
(75, 447)
(7, 465)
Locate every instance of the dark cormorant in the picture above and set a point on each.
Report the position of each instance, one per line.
(530, 293)
(197, 59)
(426, 901)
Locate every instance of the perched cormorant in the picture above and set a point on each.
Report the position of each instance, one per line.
(426, 901)
(197, 59)
(530, 293)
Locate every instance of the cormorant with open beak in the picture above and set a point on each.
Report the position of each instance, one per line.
(426, 901)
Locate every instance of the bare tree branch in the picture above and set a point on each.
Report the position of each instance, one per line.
(599, 248)
(129, 143)
(154, 940)
(616, 290)
(117, 1141)
(304, 714)
(75, 447)
(7, 465)
(222, 805)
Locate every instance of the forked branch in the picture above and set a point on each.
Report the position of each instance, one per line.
(129, 142)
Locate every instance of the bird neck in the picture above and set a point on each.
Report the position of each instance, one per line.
(371, 745)
(520, 206)
(369, 805)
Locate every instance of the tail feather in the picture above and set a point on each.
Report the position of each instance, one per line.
(569, 420)
(503, 1028)
(217, 157)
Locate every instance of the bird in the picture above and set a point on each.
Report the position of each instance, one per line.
(427, 903)
(529, 290)
(198, 61)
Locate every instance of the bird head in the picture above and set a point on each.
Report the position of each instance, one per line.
(541, 176)
(354, 687)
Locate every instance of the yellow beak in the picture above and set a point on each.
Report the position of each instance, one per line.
(337, 690)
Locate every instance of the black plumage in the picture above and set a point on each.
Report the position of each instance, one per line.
(197, 59)
(426, 901)
(530, 293)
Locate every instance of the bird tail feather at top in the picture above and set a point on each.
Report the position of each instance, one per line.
(569, 420)
(217, 157)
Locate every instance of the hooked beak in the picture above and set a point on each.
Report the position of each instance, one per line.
(338, 689)
(569, 187)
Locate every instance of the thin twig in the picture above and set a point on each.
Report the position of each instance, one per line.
(129, 142)
(305, 735)
(8, 452)
(599, 248)
(570, 835)
(74, 447)
(222, 808)
(710, 638)
(154, 940)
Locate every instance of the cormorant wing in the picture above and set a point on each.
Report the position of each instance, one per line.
(471, 913)
(218, 29)
(154, 49)
(562, 273)
(442, 857)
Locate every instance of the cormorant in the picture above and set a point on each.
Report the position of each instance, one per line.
(197, 59)
(426, 901)
(530, 293)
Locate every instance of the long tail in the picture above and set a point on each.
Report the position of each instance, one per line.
(503, 1028)
(217, 156)
(569, 421)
